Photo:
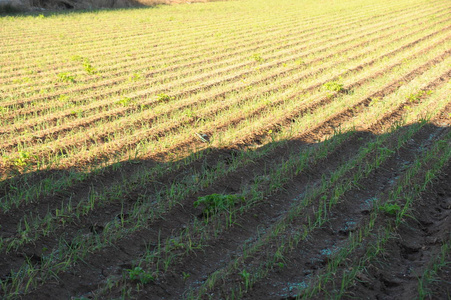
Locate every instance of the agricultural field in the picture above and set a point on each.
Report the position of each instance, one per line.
(248, 149)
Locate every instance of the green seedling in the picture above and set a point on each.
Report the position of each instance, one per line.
(89, 68)
(216, 203)
(391, 209)
(66, 77)
(257, 57)
(414, 98)
(124, 101)
(185, 275)
(164, 97)
(333, 86)
(246, 277)
(135, 77)
(138, 274)
(22, 160)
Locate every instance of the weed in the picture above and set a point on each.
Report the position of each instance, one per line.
(415, 98)
(66, 77)
(185, 275)
(246, 277)
(89, 68)
(257, 57)
(124, 101)
(164, 97)
(216, 203)
(135, 77)
(391, 209)
(138, 274)
(22, 160)
(333, 86)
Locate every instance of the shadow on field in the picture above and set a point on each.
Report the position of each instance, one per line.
(30, 187)
(39, 193)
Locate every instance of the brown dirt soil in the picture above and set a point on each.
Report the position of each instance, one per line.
(222, 242)
(394, 274)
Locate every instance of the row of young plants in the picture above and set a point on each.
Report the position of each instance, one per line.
(131, 98)
(317, 101)
(296, 235)
(195, 237)
(119, 235)
(70, 207)
(139, 216)
(373, 235)
(247, 38)
(282, 236)
(440, 96)
(426, 169)
(219, 27)
(430, 274)
(244, 40)
(144, 132)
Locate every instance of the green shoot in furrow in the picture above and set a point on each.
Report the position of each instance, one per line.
(337, 184)
(414, 181)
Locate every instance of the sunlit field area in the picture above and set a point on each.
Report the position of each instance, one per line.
(245, 149)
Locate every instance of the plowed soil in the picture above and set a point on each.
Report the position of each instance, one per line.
(340, 192)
